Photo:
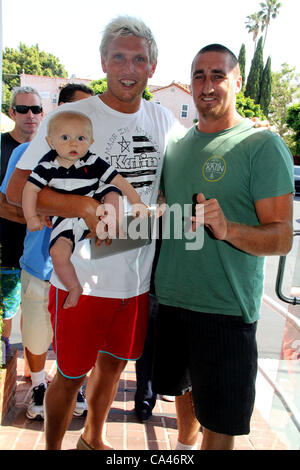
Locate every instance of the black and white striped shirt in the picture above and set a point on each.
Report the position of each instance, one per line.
(87, 176)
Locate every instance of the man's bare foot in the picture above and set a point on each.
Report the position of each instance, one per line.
(73, 297)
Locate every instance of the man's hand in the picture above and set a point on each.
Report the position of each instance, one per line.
(210, 214)
(263, 124)
(161, 204)
(102, 233)
(109, 225)
(88, 211)
(46, 220)
(140, 210)
(273, 235)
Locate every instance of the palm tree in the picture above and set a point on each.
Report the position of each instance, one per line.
(270, 9)
(253, 24)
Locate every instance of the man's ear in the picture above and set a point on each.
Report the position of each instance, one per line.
(103, 64)
(152, 70)
(11, 114)
(239, 84)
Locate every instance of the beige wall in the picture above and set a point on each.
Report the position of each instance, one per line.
(173, 98)
(49, 88)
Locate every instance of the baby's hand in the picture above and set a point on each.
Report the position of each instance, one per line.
(140, 210)
(34, 224)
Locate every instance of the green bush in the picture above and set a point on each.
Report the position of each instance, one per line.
(293, 121)
(247, 108)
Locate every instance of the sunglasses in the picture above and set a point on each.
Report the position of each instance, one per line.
(22, 109)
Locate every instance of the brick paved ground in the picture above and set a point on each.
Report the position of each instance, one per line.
(123, 429)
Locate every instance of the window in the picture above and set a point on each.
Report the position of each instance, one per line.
(184, 110)
(54, 98)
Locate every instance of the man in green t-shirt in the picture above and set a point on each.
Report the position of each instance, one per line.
(242, 180)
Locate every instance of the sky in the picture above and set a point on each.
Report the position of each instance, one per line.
(71, 30)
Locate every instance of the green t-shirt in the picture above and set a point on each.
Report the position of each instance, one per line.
(238, 167)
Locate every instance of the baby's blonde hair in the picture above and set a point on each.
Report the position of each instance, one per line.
(68, 115)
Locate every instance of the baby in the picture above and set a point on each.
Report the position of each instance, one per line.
(71, 168)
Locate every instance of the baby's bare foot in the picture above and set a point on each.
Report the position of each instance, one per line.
(73, 297)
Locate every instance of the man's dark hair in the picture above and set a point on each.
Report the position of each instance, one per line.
(219, 48)
(66, 94)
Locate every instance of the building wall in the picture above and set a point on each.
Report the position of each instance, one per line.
(173, 98)
(49, 88)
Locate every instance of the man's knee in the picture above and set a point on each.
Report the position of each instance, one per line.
(215, 441)
(66, 383)
(107, 364)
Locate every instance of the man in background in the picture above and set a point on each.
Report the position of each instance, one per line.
(36, 268)
(26, 111)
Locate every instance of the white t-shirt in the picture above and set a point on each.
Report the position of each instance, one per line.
(134, 144)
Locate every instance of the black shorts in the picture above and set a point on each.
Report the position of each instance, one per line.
(213, 355)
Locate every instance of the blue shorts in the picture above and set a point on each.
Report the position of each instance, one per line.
(10, 291)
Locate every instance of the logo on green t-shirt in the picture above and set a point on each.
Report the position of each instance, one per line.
(214, 169)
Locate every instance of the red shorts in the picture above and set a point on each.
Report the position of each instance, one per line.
(97, 324)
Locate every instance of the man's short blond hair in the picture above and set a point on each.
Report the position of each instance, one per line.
(123, 26)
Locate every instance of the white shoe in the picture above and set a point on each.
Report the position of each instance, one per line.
(81, 405)
(167, 397)
(35, 409)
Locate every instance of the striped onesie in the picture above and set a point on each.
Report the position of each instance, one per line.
(88, 176)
